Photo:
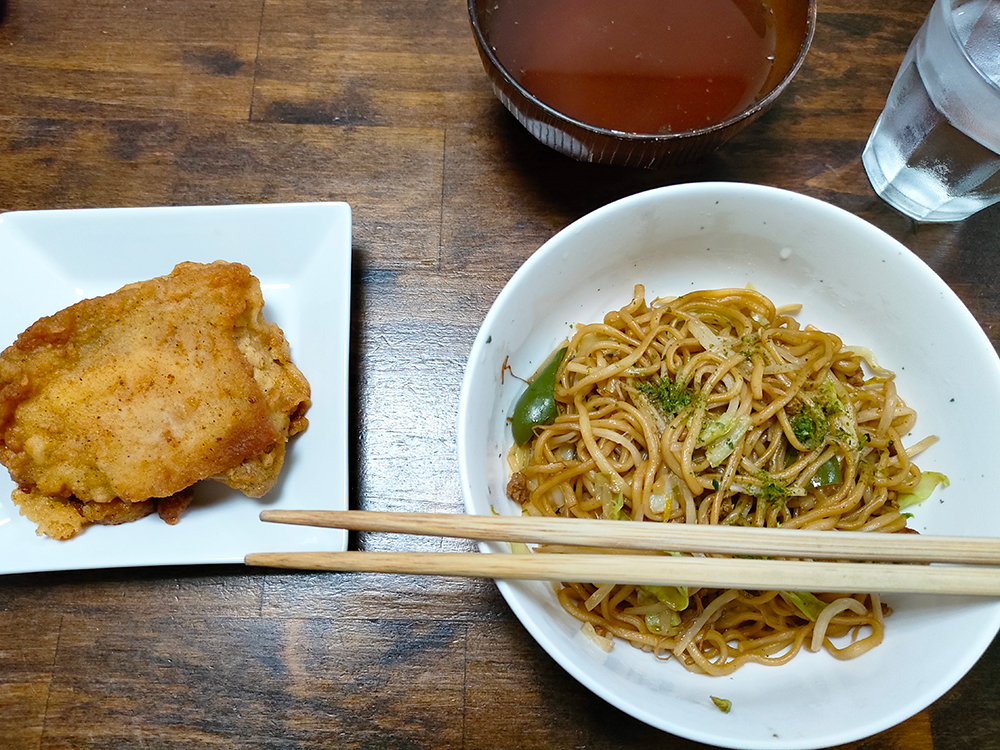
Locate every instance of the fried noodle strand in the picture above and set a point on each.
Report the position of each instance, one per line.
(718, 408)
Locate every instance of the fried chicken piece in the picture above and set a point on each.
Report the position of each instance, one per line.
(64, 518)
(169, 509)
(141, 393)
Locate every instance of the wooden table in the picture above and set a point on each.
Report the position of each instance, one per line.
(382, 104)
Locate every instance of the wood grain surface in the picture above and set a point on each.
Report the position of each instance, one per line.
(383, 104)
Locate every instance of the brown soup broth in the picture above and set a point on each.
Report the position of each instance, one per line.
(638, 66)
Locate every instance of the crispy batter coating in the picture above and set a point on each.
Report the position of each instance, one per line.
(64, 518)
(139, 394)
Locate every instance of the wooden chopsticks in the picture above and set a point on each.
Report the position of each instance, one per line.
(675, 537)
(966, 565)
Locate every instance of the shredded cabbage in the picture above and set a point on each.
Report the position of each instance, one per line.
(613, 509)
(720, 449)
(653, 623)
(713, 429)
(723, 704)
(929, 480)
(808, 604)
(675, 597)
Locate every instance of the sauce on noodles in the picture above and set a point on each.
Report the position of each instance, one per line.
(719, 408)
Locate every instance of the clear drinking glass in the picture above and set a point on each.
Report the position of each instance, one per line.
(935, 151)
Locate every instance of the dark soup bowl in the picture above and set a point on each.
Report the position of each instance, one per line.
(646, 83)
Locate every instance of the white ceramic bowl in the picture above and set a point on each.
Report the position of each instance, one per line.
(853, 280)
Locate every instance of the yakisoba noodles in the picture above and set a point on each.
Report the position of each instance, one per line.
(719, 408)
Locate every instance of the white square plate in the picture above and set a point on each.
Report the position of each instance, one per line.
(302, 255)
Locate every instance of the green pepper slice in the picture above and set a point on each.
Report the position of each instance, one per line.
(827, 474)
(537, 404)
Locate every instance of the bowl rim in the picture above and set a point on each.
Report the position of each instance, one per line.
(758, 106)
